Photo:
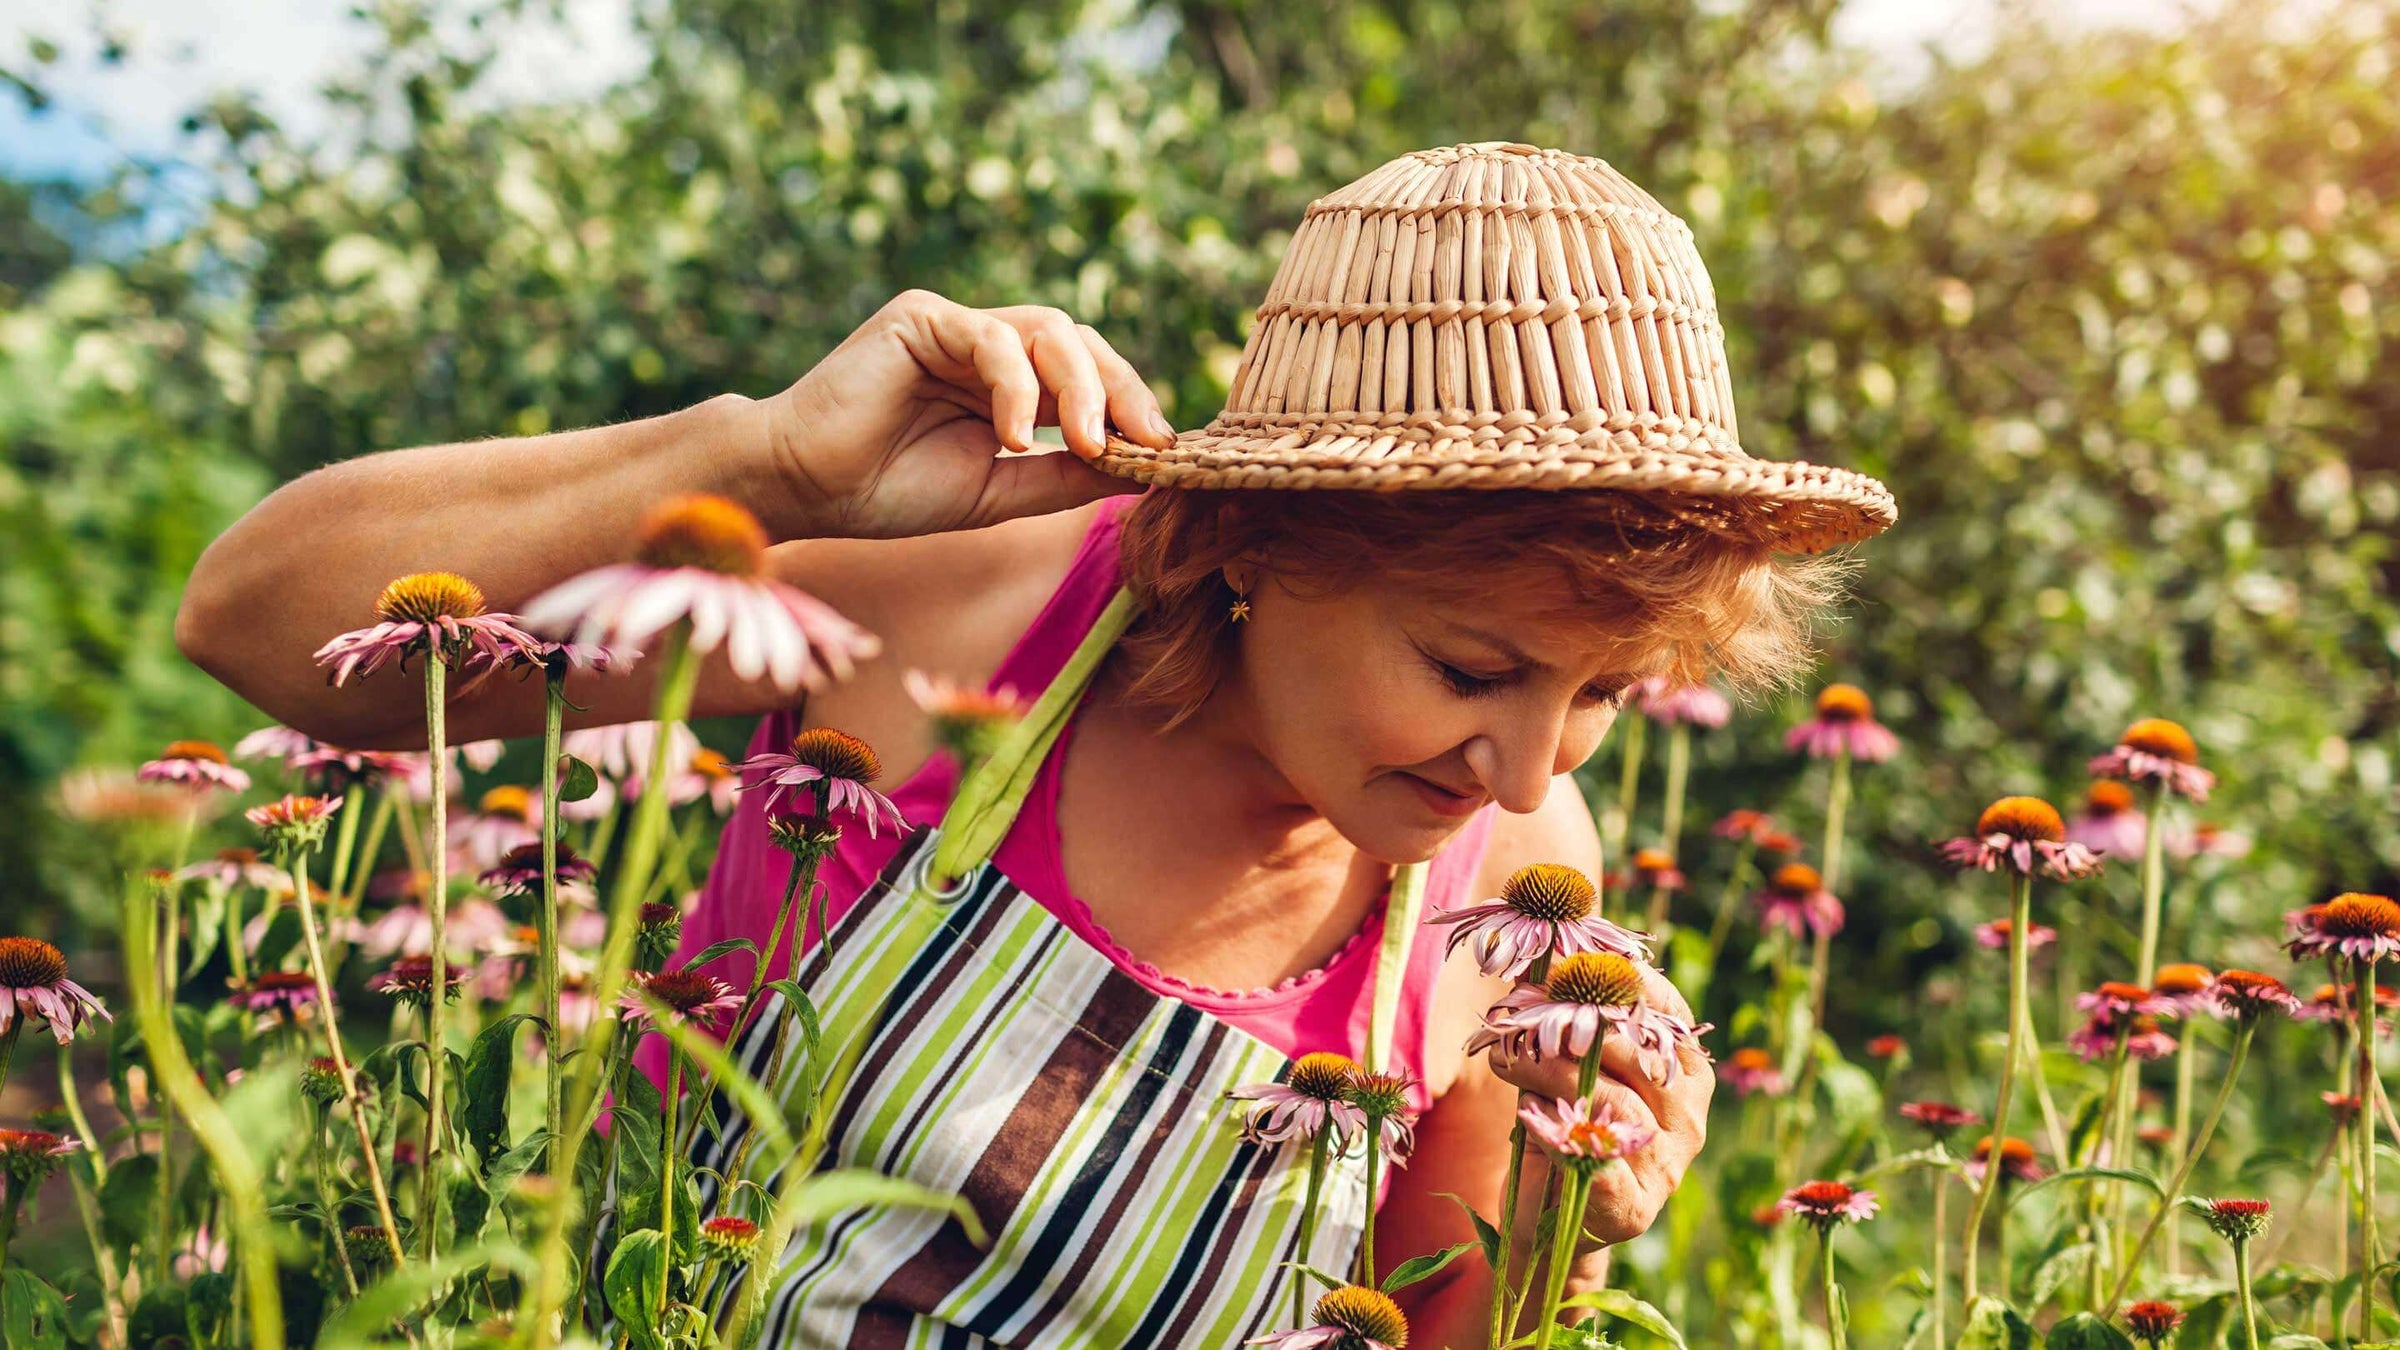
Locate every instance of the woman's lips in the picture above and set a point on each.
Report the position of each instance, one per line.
(1442, 800)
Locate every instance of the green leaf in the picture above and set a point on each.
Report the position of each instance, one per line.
(1625, 1307)
(157, 1320)
(2291, 1340)
(483, 1089)
(2083, 1331)
(206, 927)
(2058, 1270)
(715, 950)
(129, 1202)
(831, 1193)
(32, 1314)
(1993, 1325)
(636, 1286)
(576, 779)
(282, 935)
(400, 1296)
(505, 1169)
(1486, 1235)
(2142, 1179)
(1424, 1267)
(1933, 1158)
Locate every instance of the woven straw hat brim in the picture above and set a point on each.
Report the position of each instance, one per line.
(1495, 316)
(1663, 470)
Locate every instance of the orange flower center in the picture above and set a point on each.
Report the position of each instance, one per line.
(1752, 1059)
(2183, 979)
(2160, 737)
(1552, 891)
(425, 597)
(508, 800)
(1653, 860)
(239, 856)
(2249, 984)
(711, 765)
(2107, 797)
(2356, 915)
(201, 750)
(1845, 703)
(2122, 991)
(683, 990)
(30, 963)
(1323, 1076)
(1821, 1195)
(1598, 979)
(837, 754)
(1366, 1313)
(1797, 879)
(2028, 818)
(703, 531)
(1592, 1137)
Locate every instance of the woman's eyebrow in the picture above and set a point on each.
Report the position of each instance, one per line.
(1519, 656)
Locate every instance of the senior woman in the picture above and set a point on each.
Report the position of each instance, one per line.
(1477, 477)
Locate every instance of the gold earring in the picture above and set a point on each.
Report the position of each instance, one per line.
(1241, 608)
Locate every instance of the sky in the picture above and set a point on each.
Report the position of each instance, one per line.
(281, 50)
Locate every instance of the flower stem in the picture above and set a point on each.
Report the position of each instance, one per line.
(1837, 806)
(1679, 768)
(2186, 1076)
(2154, 884)
(1629, 787)
(2368, 1082)
(317, 1149)
(2183, 1173)
(1941, 1264)
(1510, 1182)
(437, 904)
(1569, 1226)
(666, 1147)
(8, 1048)
(1837, 1325)
(2241, 1285)
(1317, 1149)
(2020, 919)
(345, 844)
(322, 977)
(554, 1100)
(1366, 1241)
(74, 1104)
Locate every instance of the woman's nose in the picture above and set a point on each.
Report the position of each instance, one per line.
(1517, 763)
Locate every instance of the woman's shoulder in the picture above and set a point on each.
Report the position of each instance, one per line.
(951, 605)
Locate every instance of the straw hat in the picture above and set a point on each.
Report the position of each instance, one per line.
(1501, 316)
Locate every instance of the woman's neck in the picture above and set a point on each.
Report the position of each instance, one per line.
(1210, 764)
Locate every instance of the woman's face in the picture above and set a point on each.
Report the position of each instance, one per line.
(1397, 716)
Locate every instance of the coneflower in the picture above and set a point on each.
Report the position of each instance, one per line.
(2184, 988)
(967, 722)
(1751, 1071)
(234, 867)
(1353, 1317)
(1312, 1103)
(838, 768)
(2023, 835)
(1887, 1047)
(294, 824)
(2354, 925)
(709, 774)
(728, 1238)
(507, 816)
(2018, 1161)
(2239, 1222)
(1995, 935)
(661, 931)
(281, 994)
(2110, 824)
(1825, 1206)
(1940, 1119)
(437, 614)
(688, 996)
(1797, 902)
(34, 984)
(1585, 995)
(410, 981)
(1544, 911)
(2155, 750)
(2104, 1036)
(1582, 1138)
(1844, 727)
(519, 871)
(2152, 1322)
(197, 765)
(1382, 1101)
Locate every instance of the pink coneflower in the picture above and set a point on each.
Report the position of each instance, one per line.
(1352, 1317)
(836, 767)
(1314, 1097)
(564, 657)
(1382, 1099)
(321, 1081)
(1690, 704)
(1752, 1072)
(506, 816)
(2152, 1321)
(2023, 834)
(28, 1156)
(410, 980)
(622, 751)
(520, 869)
(281, 993)
(2341, 1106)
(479, 756)
(2096, 1039)
(1845, 722)
(703, 558)
(197, 765)
(278, 743)
(658, 930)
(2183, 988)
(437, 612)
(1576, 1131)
(332, 767)
(1887, 1047)
(2332, 1003)
(294, 823)
(1586, 994)
(1744, 824)
(2246, 995)
(1543, 910)
(2155, 750)
(34, 984)
(407, 930)
(967, 722)
(709, 774)
(2361, 927)
(1940, 1119)
(2109, 823)
(2118, 999)
(2235, 1220)
(116, 797)
(1828, 1204)
(728, 1237)
(689, 996)
(1995, 935)
(2207, 839)
(1797, 902)
(577, 1007)
(236, 867)
(1653, 869)
(2017, 1161)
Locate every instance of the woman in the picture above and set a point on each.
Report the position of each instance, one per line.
(1306, 697)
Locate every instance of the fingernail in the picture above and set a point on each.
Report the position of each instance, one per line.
(1159, 426)
(1096, 428)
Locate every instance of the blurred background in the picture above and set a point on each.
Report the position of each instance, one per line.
(2105, 294)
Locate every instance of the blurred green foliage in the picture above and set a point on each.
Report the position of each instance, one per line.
(2113, 314)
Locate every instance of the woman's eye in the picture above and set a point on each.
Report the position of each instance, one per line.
(1466, 684)
(1608, 697)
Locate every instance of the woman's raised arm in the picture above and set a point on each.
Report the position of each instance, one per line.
(904, 429)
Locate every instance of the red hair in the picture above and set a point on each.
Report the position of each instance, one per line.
(1695, 605)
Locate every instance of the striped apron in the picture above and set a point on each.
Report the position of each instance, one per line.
(1082, 1115)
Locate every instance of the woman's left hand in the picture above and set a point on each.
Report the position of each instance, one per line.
(1627, 1199)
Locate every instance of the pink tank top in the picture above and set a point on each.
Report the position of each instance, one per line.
(1327, 1008)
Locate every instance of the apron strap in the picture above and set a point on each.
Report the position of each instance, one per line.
(993, 791)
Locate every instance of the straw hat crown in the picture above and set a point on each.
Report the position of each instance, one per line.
(1501, 316)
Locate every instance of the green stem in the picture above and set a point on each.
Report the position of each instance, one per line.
(74, 1104)
(8, 1048)
(1679, 768)
(1941, 1264)
(666, 1145)
(1317, 1148)
(1366, 1242)
(554, 711)
(1510, 1183)
(2021, 919)
(1837, 805)
(2154, 885)
(1629, 786)
(1727, 902)
(1837, 1325)
(345, 841)
(318, 1148)
(363, 868)
(1563, 1234)
(2183, 1173)
(2241, 1285)
(2368, 1080)
(681, 672)
(104, 1259)
(437, 904)
(321, 975)
(2186, 1079)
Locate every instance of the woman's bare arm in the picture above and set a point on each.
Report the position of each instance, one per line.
(904, 429)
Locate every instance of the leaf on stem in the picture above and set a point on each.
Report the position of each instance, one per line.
(2083, 1331)
(1424, 1267)
(1625, 1307)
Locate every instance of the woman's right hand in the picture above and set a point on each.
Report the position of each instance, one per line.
(918, 421)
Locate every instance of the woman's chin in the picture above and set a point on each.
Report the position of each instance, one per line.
(1396, 840)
